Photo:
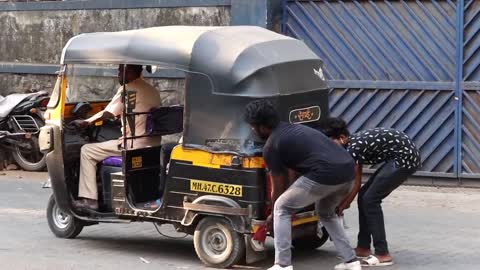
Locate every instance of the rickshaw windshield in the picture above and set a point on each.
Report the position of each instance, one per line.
(100, 82)
(91, 82)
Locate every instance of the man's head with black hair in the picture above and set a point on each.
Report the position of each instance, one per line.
(336, 129)
(132, 72)
(262, 116)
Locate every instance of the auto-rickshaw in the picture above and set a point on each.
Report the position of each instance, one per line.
(213, 183)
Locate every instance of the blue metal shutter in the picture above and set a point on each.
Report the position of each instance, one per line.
(390, 64)
(470, 142)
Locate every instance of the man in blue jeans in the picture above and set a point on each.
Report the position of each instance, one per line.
(400, 158)
(327, 177)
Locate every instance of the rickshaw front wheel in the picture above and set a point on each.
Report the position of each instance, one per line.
(217, 244)
(62, 224)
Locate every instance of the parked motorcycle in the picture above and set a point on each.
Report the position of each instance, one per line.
(21, 116)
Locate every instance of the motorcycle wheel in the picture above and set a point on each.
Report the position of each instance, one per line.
(33, 160)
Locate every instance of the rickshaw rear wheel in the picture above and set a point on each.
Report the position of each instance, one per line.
(217, 244)
(62, 224)
(312, 240)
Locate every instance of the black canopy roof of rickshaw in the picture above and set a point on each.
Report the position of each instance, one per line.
(228, 55)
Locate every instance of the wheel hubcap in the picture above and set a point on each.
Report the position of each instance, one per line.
(320, 232)
(217, 242)
(60, 218)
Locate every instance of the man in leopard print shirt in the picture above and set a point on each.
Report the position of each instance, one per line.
(400, 158)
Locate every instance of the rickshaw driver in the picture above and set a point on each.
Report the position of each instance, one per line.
(327, 177)
(147, 98)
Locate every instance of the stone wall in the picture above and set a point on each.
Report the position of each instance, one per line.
(37, 37)
(25, 83)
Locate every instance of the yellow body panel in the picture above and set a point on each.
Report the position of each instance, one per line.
(213, 160)
(301, 221)
(56, 114)
(296, 222)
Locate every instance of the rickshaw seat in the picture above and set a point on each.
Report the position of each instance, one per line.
(160, 121)
(165, 120)
(114, 161)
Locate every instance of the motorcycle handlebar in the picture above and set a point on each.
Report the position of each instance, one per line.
(5, 133)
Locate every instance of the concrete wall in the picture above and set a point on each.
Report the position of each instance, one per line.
(37, 37)
(25, 83)
(34, 32)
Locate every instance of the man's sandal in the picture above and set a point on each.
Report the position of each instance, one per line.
(374, 261)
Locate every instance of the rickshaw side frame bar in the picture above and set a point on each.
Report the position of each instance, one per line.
(124, 112)
(215, 209)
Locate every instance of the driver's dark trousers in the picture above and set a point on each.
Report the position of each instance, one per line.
(90, 155)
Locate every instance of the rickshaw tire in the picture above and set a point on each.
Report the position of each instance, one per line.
(310, 242)
(71, 230)
(237, 240)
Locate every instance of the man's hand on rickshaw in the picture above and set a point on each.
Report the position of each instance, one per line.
(80, 123)
(341, 207)
(269, 223)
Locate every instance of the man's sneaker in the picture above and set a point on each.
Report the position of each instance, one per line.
(349, 266)
(278, 267)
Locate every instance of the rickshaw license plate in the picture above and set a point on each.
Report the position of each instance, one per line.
(216, 188)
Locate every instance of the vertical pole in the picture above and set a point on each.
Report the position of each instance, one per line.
(284, 16)
(124, 112)
(458, 89)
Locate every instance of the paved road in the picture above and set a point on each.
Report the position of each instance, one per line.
(428, 228)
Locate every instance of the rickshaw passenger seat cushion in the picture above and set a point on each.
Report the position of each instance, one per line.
(115, 161)
(165, 120)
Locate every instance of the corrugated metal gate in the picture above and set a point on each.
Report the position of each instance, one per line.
(470, 141)
(410, 65)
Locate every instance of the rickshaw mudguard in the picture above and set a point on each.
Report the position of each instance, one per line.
(56, 170)
(252, 255)
(239, 223)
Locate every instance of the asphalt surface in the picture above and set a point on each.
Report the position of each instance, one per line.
(428, 228)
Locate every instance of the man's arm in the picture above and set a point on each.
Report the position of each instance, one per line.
(102, 115)
(114, 108)
(345, 204)
(279, 185)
